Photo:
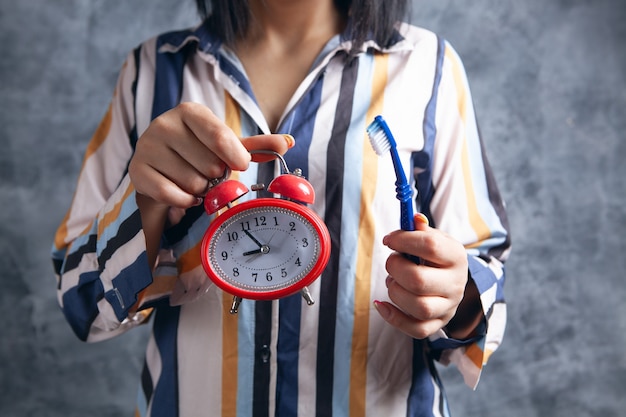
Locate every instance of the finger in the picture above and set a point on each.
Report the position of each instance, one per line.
(150, 182)
(432, 245)
(420, 279)
(409, 325)
(215, 135)
(168, 137)
(197, 155)
(181, 169)
(153, 163)
(421, 307)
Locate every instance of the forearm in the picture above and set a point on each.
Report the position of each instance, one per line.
(153, 218)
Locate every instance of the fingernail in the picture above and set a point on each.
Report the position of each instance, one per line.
(421, 217)
(290, 141)
(199, 201)
(388, 280)
(382, 309)
(386, 240)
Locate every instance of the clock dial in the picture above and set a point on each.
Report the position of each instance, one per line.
(265, 248)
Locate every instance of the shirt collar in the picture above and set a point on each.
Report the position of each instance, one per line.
(210, 44)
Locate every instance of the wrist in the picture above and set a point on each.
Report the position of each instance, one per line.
(469, 314)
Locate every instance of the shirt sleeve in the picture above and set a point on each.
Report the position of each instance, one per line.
(99, 252)
(466, 204)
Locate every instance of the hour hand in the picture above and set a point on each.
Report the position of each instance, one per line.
(252, 252)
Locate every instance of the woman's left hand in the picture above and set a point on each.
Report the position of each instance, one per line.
(426, 296)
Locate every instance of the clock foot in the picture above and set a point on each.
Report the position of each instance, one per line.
(234, 308)
(307, 296)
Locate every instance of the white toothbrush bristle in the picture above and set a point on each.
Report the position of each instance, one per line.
(378, 139)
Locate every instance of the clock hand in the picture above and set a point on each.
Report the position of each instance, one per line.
(254, 256)
(257, 252)
(259, 244)
(271, 237)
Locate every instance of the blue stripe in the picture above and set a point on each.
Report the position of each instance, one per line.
(126, 225)
(422, 393)
(168, 78)
(132, 135)
(165, 397)
(127, 284)
(423, 159)
(300, 124)
(422, 390)
(80, 303)
(141, 405)
(80, 246)
(232, 71)
(485, 278)
(288, 347)
(246, 322)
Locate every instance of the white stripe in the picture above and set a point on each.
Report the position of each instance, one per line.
(200, 355)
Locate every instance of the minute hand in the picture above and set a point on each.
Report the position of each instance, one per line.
(259, 244)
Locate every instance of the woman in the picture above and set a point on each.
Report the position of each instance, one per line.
(255, 75)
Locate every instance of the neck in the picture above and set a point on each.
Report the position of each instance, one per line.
(293, 21)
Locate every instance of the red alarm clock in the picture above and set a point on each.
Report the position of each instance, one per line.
(265, 248)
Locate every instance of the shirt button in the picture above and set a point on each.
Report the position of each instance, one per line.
(265, 353)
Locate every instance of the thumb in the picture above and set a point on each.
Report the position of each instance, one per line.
(273, 142)
(421, 221)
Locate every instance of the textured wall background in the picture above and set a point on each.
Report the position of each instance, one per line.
(549, 84)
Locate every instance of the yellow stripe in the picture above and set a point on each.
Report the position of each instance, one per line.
(475, 354)
(481, 229)
(487, 355)
(60, 238)
(230, 356)
(362, 304)
(114, 214)
(189, 260)
(161, 285)
(230, 350)
(100, 134)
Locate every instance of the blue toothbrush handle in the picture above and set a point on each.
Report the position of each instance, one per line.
(404, 194)
(406, 217)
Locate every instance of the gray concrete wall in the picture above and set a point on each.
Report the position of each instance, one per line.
(549, 87)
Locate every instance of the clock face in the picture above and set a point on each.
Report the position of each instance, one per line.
(265, 248)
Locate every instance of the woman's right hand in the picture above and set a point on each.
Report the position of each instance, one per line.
(186, 147)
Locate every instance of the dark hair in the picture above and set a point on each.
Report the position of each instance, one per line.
(229, 19)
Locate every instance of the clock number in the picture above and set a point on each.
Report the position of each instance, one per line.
(268, 276)
(224, 255)
(305, 243)
(255, 275)
(293, 226)
(260, 221)
(283, 272)
(275, 221)
(233, 236)
(244, 226)
(235, 272)
(297, 262)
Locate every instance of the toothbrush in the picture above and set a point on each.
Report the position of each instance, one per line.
(382, 140)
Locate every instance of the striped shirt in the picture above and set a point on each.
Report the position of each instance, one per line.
(336, 357)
